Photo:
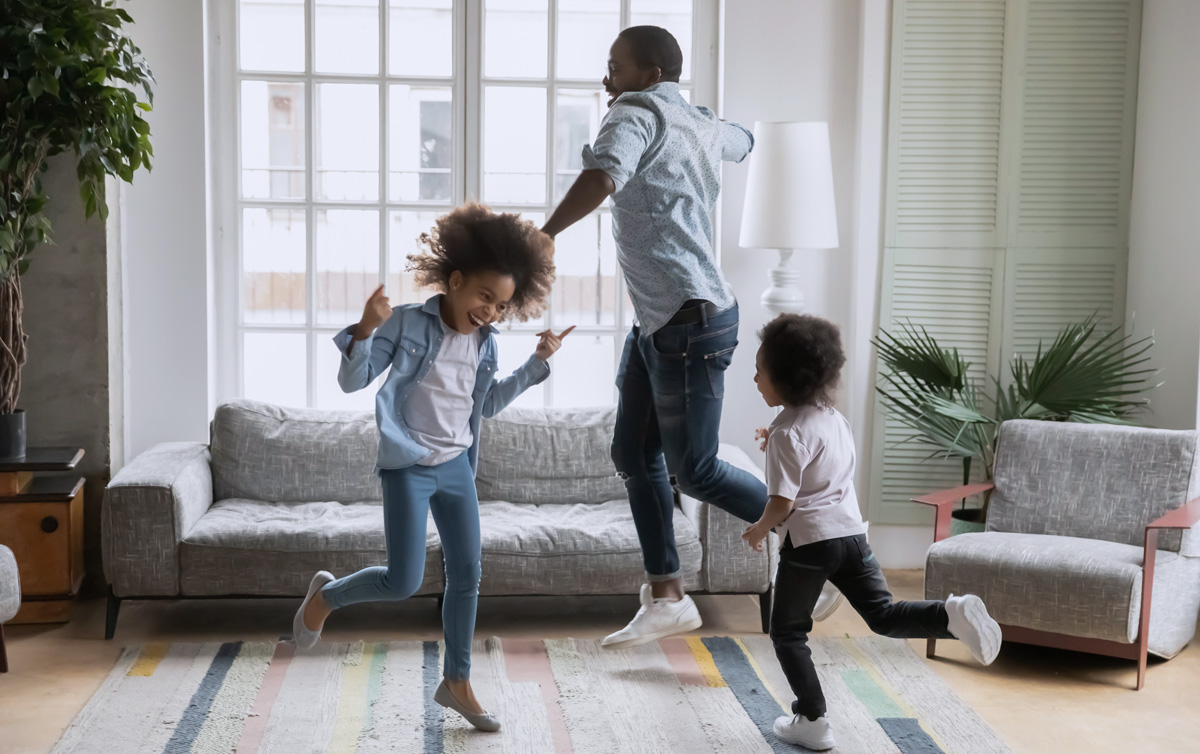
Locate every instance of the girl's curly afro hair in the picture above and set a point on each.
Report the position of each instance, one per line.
(474, 239)
(803, 357)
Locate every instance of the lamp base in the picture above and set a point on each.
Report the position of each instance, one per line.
(784, 295)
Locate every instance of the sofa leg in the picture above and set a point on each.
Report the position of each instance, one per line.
(930, 648)
(764, 608)
(3, 652)
(110, 619)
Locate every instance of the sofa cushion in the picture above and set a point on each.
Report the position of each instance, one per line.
(291, 455)
(10, 585)
(1079, 587)
(249, 547)
(571, 549)
(545, 456)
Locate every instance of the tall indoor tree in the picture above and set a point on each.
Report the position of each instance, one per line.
(71, 81)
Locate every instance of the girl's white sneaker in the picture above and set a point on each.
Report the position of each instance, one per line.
(301, 634)
(811, 734)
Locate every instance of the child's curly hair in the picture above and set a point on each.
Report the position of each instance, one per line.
(803, 357)
(472, 239)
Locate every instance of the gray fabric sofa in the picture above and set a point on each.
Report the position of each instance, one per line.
(10, 598)
(1072, 556)
(279, 493)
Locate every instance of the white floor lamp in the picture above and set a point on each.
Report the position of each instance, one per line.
(789, 203)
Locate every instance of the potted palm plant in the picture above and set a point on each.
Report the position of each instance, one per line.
(1082, 376)
(71, 81)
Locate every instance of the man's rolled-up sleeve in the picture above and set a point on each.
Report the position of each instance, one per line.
(624, 137)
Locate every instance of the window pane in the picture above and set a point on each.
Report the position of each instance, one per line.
(405, 228)
(272, 140)
(273, 266)
(586, 29)
(515, 350)
(584, 370)
(347, 263)
(421, 41)
(347, 148)
(514, 145)
(271, 35)
(275, 368)
(585, 291)
(420, 144)
(347, 36)
(328, 394)
(515, 38)
(673, 15)
(576, 121)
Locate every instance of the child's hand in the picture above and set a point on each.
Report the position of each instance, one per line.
(550, 343)
(762, 433)
(755, 534)
(375, 313)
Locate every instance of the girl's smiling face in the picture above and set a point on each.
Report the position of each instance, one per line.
(476, 300)
(624, 75)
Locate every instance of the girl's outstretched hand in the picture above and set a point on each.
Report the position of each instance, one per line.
(549, 343)
(375, 313)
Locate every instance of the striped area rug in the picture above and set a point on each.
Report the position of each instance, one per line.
(688, 695)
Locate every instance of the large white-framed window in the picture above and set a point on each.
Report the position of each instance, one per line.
(344, 128)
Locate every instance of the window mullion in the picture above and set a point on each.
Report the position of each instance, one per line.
(385, 118)
(472, 131)
(310, 215)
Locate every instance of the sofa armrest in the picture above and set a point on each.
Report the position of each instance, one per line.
(149, 507)
(945, 500)
(729, 563)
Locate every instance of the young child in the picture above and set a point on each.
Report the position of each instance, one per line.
(810, 479)
(442, 380)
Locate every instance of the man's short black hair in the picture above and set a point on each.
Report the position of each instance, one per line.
(803, 357)
(654, 46)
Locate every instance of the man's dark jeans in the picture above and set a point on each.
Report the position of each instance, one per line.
(671, 386)
(849, 563)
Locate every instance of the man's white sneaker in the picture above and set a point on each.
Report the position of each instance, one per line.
(811, 734)
(970, 623)
(656, 619)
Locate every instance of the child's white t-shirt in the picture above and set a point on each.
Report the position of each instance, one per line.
(810, 459)
(438, 411)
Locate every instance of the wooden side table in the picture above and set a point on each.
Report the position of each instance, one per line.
(41, 519)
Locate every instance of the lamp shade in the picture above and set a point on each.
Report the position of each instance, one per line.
(789, 195)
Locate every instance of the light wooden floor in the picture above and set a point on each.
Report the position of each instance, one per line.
(1039, 700)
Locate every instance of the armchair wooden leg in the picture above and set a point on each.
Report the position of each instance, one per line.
(1143, 650)
(110, 619)
(930, 648)
(3, 652)
(764, 608)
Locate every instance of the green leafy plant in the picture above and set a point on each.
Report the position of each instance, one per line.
(71, 81)
(1083, 375)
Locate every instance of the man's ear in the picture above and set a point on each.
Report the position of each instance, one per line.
(655, 75)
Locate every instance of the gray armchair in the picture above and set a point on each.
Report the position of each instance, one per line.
(10, 597)
(1072, 556)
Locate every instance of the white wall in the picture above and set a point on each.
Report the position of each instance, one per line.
(163, 232)
(1164, 235)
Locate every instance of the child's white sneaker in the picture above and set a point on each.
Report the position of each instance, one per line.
(811, 734)
(970, 623)
(656, 619)
(303, 636)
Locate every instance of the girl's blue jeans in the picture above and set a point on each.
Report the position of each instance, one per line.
(408, 495)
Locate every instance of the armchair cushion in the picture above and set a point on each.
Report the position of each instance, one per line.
(1079, 587)
(1093, 481)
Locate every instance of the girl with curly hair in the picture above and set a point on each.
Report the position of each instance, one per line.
(440, 359)
(813, 507)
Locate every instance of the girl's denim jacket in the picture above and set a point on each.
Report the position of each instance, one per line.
(408, 342)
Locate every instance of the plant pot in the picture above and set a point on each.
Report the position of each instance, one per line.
(12, 435)
(967, 521)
